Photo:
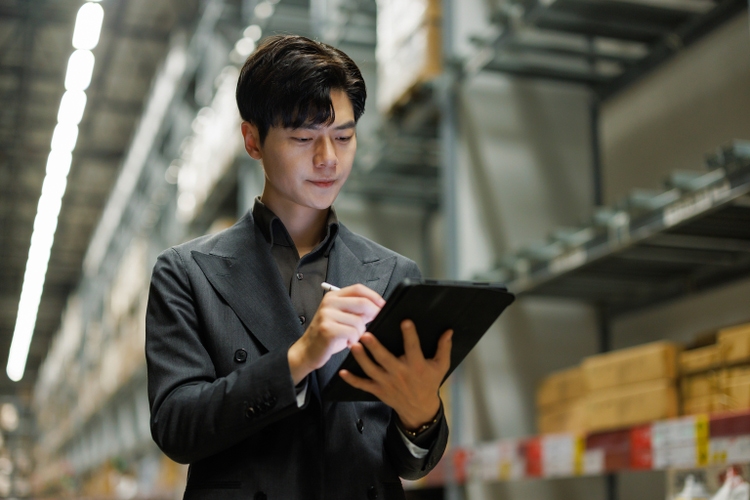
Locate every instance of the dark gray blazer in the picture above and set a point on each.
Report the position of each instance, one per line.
(218, 327)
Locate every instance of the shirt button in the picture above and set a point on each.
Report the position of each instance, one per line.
(360, 425)
(240, 355)
(300, 276)
(302, 320)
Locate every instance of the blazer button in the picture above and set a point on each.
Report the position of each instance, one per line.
(260, 496)
(250, 412)
(372, 493)
(240, 355)
(302, 320)
(360, 425)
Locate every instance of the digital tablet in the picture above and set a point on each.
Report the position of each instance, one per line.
(469, 308)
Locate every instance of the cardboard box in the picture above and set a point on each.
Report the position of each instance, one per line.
(699, 360)
(560, 386)
(702, 404)
(734, 344)
(654, 361)
(563, 417)
(701, 385)
(630, 405)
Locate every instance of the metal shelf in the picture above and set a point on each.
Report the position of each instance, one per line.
(604, 44)
(650, 248)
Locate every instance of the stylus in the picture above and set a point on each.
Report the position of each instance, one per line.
(329, 287)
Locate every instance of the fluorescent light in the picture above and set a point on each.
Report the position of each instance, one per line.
(88, 26)
(72, 105)
(42, 238)
(80, 69)
(253, 32)
(64, 137)
(245, 46)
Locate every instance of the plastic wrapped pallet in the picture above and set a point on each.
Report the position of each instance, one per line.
(409, 48)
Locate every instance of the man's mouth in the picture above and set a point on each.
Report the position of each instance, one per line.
(324, 183)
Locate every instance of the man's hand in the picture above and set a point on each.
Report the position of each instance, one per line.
(409, 384)
(339, 323)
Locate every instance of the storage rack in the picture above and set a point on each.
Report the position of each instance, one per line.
(652, 247)
(696, 441)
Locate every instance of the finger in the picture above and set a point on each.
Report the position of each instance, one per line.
(359, 382)
(360, 290)
(333, 330)
(371, 369)
(353, 320)
(443, 354)
(357, 305)
(412, 347)
(383, 356)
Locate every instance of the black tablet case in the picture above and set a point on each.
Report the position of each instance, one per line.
(435, 306)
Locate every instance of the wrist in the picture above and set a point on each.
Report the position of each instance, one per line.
(298, 368)
(417, 422)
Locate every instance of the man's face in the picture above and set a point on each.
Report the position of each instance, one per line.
(306, 167)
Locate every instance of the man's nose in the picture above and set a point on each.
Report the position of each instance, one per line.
(325, 153)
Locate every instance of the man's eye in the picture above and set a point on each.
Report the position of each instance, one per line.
(302, 139)
(345, 138)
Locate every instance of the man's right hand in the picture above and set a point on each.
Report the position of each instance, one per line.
(339, 322)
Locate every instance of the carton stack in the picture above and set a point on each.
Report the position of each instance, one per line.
(631, 386)
(734, 352)
(700, 383)
(716, 378)
(560, 402)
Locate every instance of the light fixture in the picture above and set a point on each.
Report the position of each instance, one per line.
(88, 26)
(64, 137)
(72, 105)
(80, 69)
(253, 32)
(244, 46)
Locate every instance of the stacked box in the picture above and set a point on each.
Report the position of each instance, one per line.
(700, 383)
(631, 386)
(409, 48)
(560, 399)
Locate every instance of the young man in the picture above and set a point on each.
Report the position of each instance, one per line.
(241, 339)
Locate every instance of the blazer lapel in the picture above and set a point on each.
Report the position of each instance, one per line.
(242, 270)
(345, 269)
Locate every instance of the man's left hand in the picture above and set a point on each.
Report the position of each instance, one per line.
(409, 384)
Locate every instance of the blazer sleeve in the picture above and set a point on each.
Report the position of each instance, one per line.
(194, 413)
(407, 465)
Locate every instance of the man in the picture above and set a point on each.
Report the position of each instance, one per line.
(241, 340)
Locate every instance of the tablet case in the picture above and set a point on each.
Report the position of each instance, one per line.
(468, 308)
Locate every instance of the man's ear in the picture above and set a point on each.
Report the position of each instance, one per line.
(252, 140)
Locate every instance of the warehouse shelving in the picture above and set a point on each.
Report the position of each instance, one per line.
(652, 247)
(696, 441)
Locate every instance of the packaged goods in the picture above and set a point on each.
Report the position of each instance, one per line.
(696, 405)
(630, 405)
(560, 386)
(700, 385)
(563, 417)
(699, 360)
(653, 361)
(734, 344)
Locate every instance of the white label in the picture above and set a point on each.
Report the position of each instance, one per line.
(593, 461)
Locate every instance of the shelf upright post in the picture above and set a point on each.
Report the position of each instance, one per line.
(448, 89)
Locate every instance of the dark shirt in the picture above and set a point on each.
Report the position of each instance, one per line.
(301, 276)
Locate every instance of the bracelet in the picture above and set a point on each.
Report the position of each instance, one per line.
(422, 428)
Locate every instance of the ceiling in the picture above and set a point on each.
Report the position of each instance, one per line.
(35, 43)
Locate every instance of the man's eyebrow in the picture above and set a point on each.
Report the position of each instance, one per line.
(343, 126)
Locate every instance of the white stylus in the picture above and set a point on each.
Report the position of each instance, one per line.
(329, 287)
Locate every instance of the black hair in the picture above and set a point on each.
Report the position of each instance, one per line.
(287, 82)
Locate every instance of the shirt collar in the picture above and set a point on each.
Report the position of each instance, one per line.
(275, 232)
